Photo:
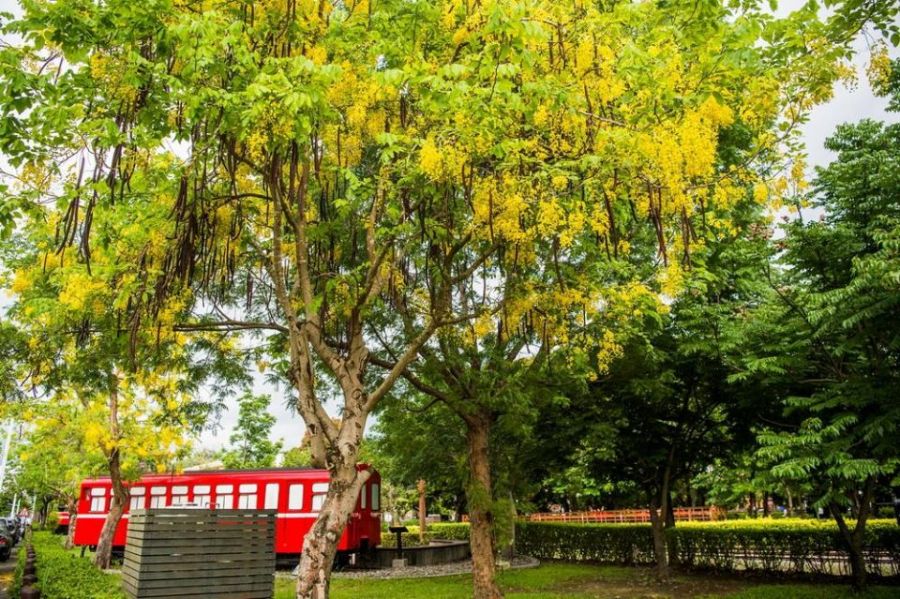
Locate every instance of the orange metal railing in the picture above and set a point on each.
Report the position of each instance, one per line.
(699, 514)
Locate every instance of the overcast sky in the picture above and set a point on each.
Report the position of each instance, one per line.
(848, 105)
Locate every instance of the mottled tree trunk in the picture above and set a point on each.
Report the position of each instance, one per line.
(116, 509)
(657, 527)
(73, 515)
(460, 506)
(671, 553)
(481, 537)
(854, 538)
(320, 543)
(660, 507)
(120, 493)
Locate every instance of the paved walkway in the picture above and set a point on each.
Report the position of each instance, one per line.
(7, 569)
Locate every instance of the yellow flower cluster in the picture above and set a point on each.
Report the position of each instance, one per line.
(608, 350)
(879, 68)
(78, 289)
(109, 73)
(498, 209)
(440, 162)
(798, 173)
(21, 282)
(671, 280)
(698, 135)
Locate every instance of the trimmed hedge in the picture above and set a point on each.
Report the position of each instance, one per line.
(626, 544)
(455, 531)
(791, 546)
(65, 574)
(769, 546)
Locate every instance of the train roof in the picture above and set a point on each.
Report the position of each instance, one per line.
(274, 473)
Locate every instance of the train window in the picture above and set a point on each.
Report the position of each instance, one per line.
(362, 497)
(295, 497)
(376, 497)
(138, 498)
(319, 490)
(98, 500)
(201, 495)
(247, 497)
(157, 497)
(179, 494)
(224, 497)
(272, 496)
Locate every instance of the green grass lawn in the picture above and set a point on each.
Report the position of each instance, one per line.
(577, 581)
(550, 581)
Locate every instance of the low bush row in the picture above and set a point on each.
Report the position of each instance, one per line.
(65, 574)
(626, 544)
(805, 548)
(458, 531)
(779, 546)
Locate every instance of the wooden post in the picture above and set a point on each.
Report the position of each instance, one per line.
(422, 522)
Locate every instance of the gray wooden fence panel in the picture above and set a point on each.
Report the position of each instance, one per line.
(174, 552)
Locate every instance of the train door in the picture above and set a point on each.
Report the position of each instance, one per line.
(92, 509)
(293, 523)
(271, 495)
(374, 515)
(356, 526)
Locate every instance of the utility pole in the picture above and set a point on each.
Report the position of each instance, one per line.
(4, 459)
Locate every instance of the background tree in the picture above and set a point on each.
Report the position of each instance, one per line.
(250, 443)
(296, 457)
(835, 297)
(333, 171)
(132, 383)
(55, 457)
(417, 438)
(614, 207)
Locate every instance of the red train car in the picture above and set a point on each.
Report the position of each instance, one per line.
(62, 522)
(296, 494)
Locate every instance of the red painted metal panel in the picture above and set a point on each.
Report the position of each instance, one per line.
(293, 521)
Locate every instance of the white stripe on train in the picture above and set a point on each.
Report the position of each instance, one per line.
(103, 516)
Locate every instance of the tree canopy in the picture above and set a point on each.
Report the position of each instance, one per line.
(465, 195)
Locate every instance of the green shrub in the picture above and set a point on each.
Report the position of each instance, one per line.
(64, 574)
(458, 531)
(765, 545)
(804, 546)
(20, 571)
(611, 543)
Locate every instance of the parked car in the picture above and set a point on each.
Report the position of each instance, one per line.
(12, 528)
(22, 524)
(6, 541)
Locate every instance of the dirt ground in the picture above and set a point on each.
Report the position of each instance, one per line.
(643, 585)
